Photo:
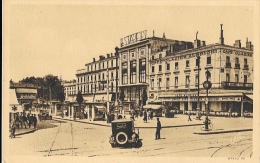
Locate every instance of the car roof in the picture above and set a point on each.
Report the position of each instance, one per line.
(121, 120)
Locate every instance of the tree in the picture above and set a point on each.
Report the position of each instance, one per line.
(79, 99)
(51, 81)
(144, 97)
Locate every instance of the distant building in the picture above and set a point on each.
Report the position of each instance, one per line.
(26, 93)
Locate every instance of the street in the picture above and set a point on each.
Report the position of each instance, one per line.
(79, 139)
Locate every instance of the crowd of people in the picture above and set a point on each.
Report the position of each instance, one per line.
(147, 115)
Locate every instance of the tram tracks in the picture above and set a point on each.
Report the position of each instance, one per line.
(61, 151)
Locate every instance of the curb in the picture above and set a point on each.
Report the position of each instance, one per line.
(27, 132)
(223, 131)
(80, 122)
(54, 118)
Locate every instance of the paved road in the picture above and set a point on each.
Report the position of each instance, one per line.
(78, 139)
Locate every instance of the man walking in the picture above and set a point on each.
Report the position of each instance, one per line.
(34, 121)
(189, 114)
(158, 130)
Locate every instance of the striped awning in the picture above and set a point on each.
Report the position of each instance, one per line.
(154, 107)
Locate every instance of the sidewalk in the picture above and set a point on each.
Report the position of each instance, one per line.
(24, 131)
(221, 124)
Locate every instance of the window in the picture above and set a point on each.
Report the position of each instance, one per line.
(176, 82)
(168, 67)
(112, 75)
(227, 77)
(124, 65)
(160, 55)
(236, 78)
(133, 64)
(124, 78)
(196, 79)
(209, 76)
(112, 86)
(142, 76)
(160, 68)
(95, 77)
(103, 65)
(124, 56)
(133, 93)
(112, 64)
(227, 59)
(236, 60)
(133, 55)
(152, 84)
(99, 77)
(187, 81)
(197, 62)
(152, 57)
(133, 77)
(159, 83)
(245, 61)
(187, 63)
(142, 62)
(167, 83)
(103, 76)
(176, 66)
(208, 60)
(245, 78)
(152, 69)
(95, 67)
(142, 52)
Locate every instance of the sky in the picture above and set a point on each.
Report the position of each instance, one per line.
(60, 39)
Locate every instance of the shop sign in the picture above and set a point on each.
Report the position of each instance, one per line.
(133, 38)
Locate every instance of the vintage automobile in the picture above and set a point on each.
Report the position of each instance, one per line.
(44, 116)
(123, 134)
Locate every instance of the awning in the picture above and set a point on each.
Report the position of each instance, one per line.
(26, 90)
(18, 109)
(100, 108)
(155, 107)
(250, 96)
(13, 98)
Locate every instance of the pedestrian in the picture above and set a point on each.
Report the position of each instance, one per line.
(151, 115)
(158, 130)
(30, 119)
(24, 121)
(13, 128)
(189, 114)
(74, 115)
(34, 121)
(145, 117)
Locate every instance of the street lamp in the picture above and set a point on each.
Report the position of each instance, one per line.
(207, 85)
(198, 103)
(116, 101)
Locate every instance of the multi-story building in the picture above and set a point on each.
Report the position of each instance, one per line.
(134, 68)
(174, 76)
(69, 88)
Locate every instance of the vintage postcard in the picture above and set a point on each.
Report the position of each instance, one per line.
(131, 81)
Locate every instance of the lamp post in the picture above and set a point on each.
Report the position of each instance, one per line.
(198, 103)
(116, 101)
(207, 85)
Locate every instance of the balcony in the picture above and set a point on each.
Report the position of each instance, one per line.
(175, 86)
(246, 67)
(159, 88)
(237, 66)
(235, 85)
(228, 65)
(167, 87)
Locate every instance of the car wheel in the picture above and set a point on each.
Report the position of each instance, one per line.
(121, 138)
(113, 145)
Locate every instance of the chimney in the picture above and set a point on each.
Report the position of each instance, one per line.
(237, 44)
(108, 55)
(248, 44)
(111, 55)
(94, 60)
(203, 43)
(196, 42)
(221, 39)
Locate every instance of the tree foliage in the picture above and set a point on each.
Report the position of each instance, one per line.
(49, 87)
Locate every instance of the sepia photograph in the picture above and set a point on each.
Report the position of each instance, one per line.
(131, 81)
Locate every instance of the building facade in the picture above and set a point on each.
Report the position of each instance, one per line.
(134, 69)
(175, 78)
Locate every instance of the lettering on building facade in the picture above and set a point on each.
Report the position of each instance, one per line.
(133, 38)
